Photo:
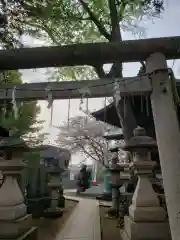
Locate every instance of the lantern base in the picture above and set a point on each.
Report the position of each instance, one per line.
(15, 229)
(145, 230)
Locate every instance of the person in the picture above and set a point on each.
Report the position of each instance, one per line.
(82, 179)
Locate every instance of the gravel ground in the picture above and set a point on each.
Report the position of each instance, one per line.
(109, 229)
(48, 228)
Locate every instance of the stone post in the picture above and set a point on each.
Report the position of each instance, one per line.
(15, 223)
(55, 187)
(146, 220)
(167, 135)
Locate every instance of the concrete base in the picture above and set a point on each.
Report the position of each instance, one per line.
(16, 228)
(145, 230)
(147, 214)
(53, 213)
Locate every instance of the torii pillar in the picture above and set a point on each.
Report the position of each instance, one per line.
(167, 135)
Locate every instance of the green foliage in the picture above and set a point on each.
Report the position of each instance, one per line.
(26, 122)
(26, 112)
(32, 158)
(72, 73)
(92, 21)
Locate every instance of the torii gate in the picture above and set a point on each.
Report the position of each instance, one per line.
(156, 83)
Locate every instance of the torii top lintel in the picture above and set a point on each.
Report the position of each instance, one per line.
(88, 54)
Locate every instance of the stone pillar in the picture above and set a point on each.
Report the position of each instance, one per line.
(15, 223)
(55, 187)
(146, 220)
(167, 135)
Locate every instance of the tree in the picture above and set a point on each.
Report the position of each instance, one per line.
(97, 21)
(25, 123)
(85, 135)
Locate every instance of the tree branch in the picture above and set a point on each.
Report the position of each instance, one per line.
(116, 69)
(94, 148)
(100, 157)
(98, 23)
(115, 28)
(86, 152)
(100, 71)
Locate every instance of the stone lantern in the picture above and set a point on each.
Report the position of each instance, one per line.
(14, 220)
(107, 194)
(115, 181)
(56, 192)
(146, 220)
(13, 148)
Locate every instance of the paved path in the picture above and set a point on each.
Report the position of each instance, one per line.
(84, 223)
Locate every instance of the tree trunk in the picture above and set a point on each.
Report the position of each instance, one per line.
(124, 110)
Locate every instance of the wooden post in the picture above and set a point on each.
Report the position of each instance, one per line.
(168, 137)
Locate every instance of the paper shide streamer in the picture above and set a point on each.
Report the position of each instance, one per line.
(117, 92)
(50, 102)
(85, 93)
(69, 109)
(117, 96)
(14, 104)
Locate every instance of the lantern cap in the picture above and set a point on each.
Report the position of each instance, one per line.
(114, 135)
(139, 140)
(54, 170)
(13, 142)
(8, 165)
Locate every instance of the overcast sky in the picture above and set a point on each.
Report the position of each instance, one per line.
(168, 25)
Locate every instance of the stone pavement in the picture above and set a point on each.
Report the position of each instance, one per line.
(84, 222)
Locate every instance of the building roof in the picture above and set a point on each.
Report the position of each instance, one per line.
(141, 108)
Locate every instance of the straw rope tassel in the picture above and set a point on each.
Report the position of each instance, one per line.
(87, 109)
(15, 108)
(69, 108)
(105, 99)
(51, 114)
